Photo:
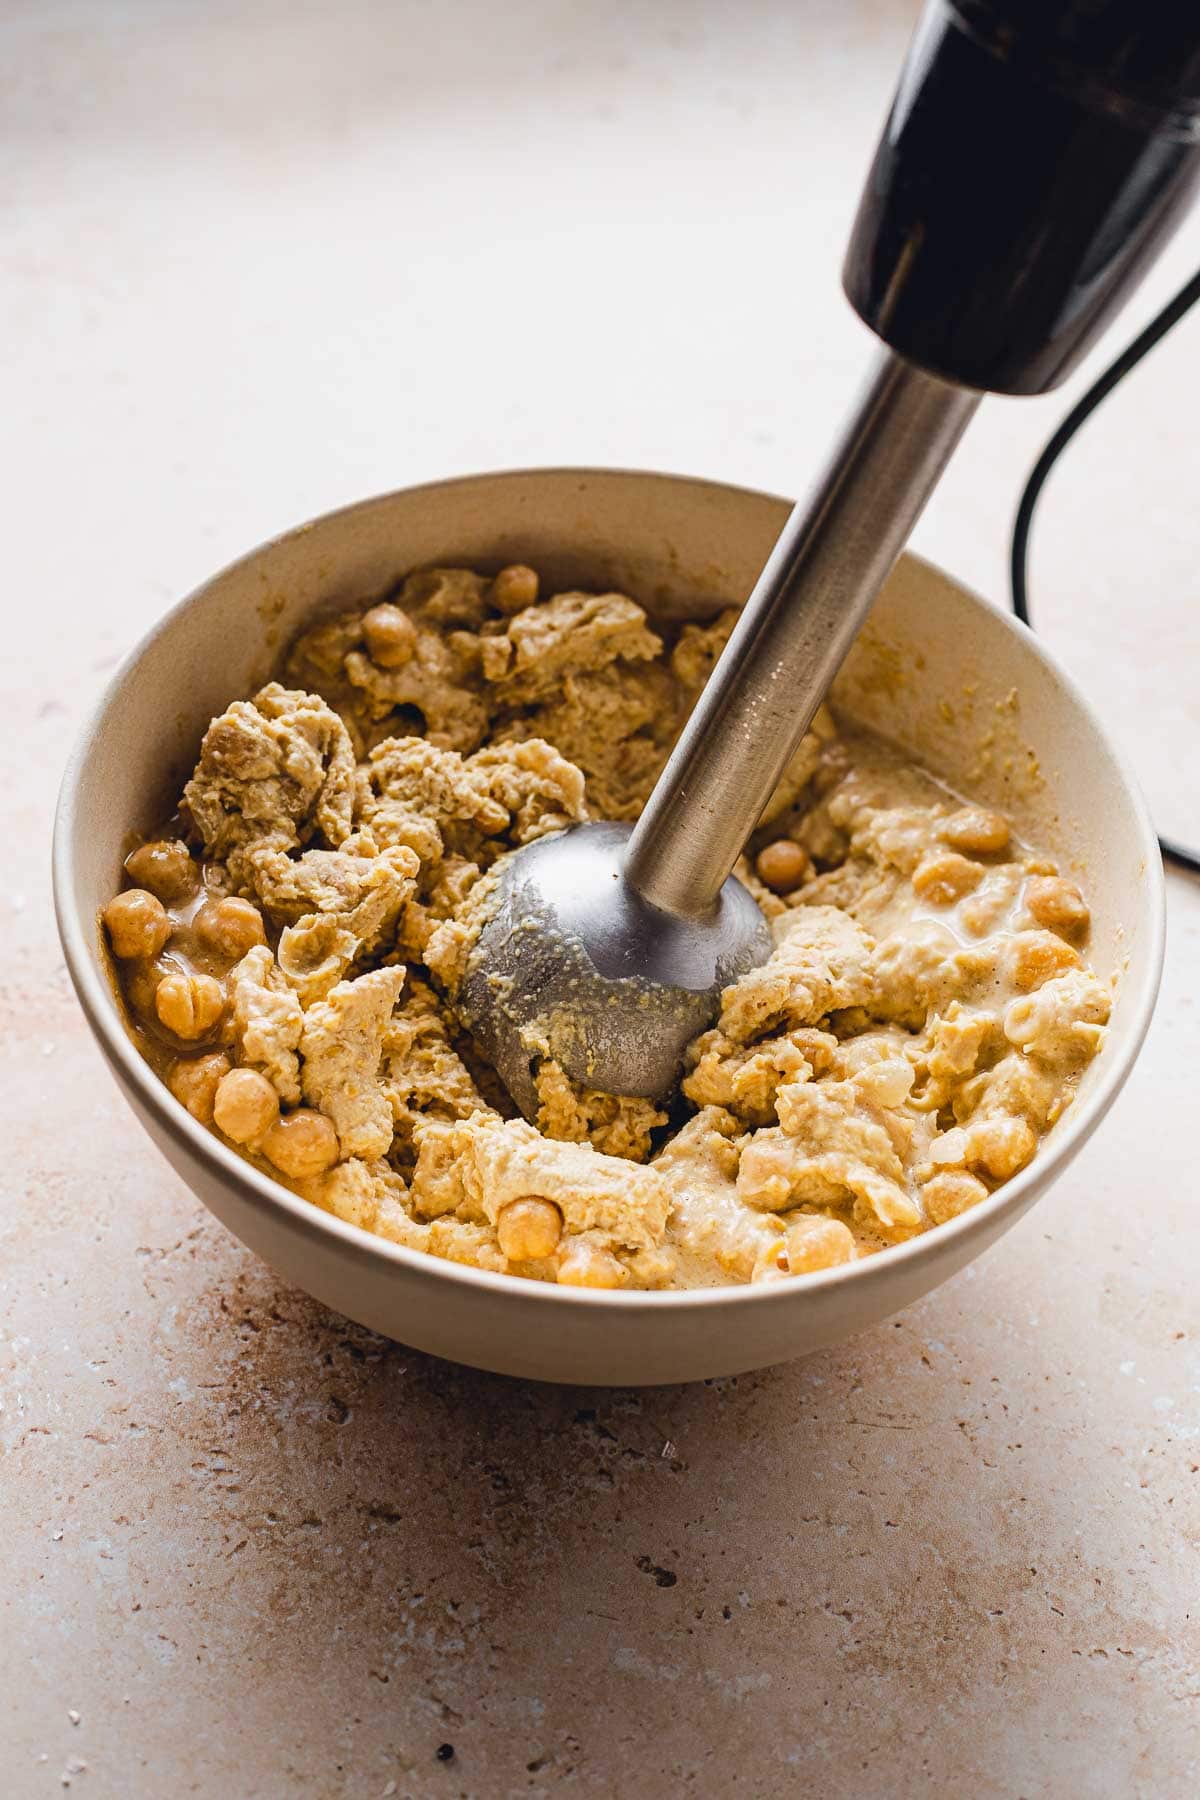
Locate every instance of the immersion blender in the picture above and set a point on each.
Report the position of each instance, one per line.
(1036, 157)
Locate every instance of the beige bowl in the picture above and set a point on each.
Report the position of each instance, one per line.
(937, 670)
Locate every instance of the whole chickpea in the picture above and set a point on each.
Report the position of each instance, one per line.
(1001, 1146)
(1038, 956)
(815, 1242)
(528, 1228)
(1056, 903)
(302, 1143)
(581, 1264)
(950, 1194)
(193, 1081)
(165, 867)
(946, 878)
(137, 923)
(783, 865)
(229, 927)
(887, 1082)
(975, 830)
(190, 1006)
(391, 636)
(246, 1105)
(514, 589)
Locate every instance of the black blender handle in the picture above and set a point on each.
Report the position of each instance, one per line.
(1037, 156)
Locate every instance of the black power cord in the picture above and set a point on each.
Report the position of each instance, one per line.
(1172, 312)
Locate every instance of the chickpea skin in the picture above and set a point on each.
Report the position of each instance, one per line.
(302, 1143)
(193, 1081)
(888, 1082)
(391, 636)
(137, 923)
(246, 1106)
(528, 1228)
(229, 927)
(783, 865)
(190, 1006)
(1056, 903)
(165, 867)
(581, 1264)
(975, 831)
(514, 589)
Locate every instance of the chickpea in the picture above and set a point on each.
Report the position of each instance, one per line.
(141, 983)
(137, 923)
(190, 1006)
(581, 1264)
(946, 878)
(165, 867)
(887, 1083)
(783, 865)
(246, 1106)
(193, 1081)
(302, 1143)
(1039, 956)
(391, 636)
(514, 589)
(950, 1194)
(1056, 903)
(528, 1228)
(814, 1242)
(975, 831)
(229, 927)
(1001, 1146)
(949, 1150)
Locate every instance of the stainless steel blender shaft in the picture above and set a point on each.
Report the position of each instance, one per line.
(831, 559)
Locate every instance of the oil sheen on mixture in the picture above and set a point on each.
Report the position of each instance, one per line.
(290, 944)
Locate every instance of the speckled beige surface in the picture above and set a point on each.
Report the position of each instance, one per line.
(248, 1550)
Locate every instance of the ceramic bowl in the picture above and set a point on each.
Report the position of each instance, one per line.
(952, 679)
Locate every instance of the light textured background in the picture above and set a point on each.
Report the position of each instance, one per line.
(263, 258)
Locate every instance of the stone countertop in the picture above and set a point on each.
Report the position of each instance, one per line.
(261, 259)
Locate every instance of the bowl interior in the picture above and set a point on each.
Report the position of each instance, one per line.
(938, 671)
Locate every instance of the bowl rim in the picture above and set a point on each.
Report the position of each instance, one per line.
(79, 939)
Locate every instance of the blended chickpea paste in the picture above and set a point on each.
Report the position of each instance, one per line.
(290, 945)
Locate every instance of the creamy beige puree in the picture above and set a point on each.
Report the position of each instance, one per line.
(291, 943)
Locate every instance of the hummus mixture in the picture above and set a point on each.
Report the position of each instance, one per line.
(290, 943)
